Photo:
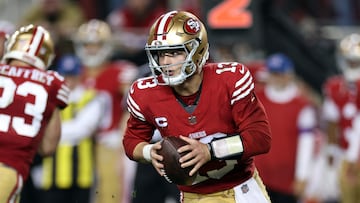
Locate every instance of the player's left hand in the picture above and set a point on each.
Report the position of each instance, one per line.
(197, 154)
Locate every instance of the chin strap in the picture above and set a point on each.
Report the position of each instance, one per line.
(226, 148)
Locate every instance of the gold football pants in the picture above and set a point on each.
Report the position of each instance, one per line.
(10, 185)
(254, 188)
(109, 185)
(350, 186)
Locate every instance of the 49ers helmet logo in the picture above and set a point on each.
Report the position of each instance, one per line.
(192, 26)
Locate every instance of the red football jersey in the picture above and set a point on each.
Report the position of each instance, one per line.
(277, 168)
(110, 82)
(28, 97)
(227, 104)
(346, 97)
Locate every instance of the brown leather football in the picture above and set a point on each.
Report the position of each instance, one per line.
(172, 167)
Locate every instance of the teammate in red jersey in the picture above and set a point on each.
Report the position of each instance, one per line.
(30, 99)
(285, 169)
(341, 104)
(213, 107)
(93, 45)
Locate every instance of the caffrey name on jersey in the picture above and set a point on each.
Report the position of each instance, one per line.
(33, 74)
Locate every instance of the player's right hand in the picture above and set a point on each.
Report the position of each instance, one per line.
(156, 158)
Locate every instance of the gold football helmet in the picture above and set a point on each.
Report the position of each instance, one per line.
(349, 49)
(31, 44)
(173, 31)
(93, 42)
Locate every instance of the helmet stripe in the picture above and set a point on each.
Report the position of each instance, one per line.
(163, 24)
(36, 41)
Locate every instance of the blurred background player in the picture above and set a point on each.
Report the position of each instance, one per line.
(68, 175)
(93, 45)
(293, 120)
(29, 106)
(341, 104)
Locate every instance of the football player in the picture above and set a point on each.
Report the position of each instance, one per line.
(94, 46)
(213, 107)
(286, 174)
(30, 100)
(68, 175)
(341, 104)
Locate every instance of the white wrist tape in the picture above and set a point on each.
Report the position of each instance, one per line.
(227, 147)
(147, 152)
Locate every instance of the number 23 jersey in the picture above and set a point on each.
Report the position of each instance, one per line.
(227, 104)
(28, 97)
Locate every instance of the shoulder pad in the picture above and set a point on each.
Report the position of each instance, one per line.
(238, 79)
(134, 98)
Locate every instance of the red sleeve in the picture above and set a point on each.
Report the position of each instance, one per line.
(60, 89)
(137, 131)
(247, 111)
(253, 126)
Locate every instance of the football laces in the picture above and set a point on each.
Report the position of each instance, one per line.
(165, 176)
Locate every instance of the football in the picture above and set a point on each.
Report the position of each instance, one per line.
(172, 167)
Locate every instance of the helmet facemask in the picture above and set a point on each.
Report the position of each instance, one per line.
(350, 69)
(349, 57)
(93, 43)
(177, 30)
(187, 69)
(91, 60)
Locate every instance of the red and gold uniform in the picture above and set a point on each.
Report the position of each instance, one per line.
(226, 104)
(293, 122)
(341, 107)
(343, 101)
(28, 97)
(112, 81)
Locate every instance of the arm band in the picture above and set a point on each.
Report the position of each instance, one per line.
(147, 152)
(226, 147)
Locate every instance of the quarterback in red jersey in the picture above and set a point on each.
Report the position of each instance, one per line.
(30, 99)
(212, 107)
